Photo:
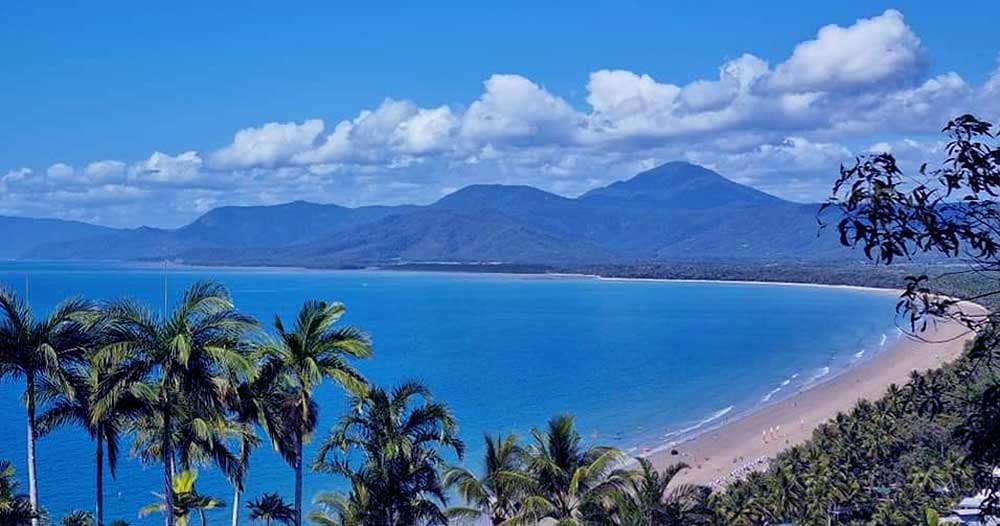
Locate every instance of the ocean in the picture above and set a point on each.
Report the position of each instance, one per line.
(640, 363)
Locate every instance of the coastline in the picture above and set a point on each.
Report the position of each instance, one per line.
(728, 451)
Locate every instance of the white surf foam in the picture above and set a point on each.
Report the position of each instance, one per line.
(819, 374)
(770, 394)
(711, 418)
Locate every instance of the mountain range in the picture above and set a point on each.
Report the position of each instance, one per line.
(676, 211)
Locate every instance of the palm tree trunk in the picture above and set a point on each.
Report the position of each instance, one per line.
(202, 513)
(298, 478)
(99, 504)
(239, 484)
(32, 476)
(167, 454)
(236, 506)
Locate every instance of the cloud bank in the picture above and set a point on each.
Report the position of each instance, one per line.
(783, 127)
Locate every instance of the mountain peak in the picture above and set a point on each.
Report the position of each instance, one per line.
(682, 184)
(480, 196)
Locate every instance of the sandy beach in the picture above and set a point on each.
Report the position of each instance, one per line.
(714, 455)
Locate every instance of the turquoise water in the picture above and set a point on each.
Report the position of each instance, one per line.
(640, 363)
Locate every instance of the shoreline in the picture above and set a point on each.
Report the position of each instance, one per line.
(737, 441)
(747, 442)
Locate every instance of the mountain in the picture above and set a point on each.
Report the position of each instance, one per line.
(20, 234)
(676, 211)
(683, 185)
(229, 228)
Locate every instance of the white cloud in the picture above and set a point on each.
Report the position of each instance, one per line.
(106, 171)
(394, 129)
(513, 109)
(60, 171)
(169, 170)
(872, 51)
(268, 145)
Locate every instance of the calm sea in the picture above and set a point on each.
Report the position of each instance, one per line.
(639, 363)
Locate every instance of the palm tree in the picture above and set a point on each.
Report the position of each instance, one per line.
(183, 499)
(496, 493)
(75, 406)
(255, 401)
(15, 508)
(569, 480)
(78, 518)
(738, 505)
(336, 509)
(390, 448)
(183, 359)
(39, 351)
(313, 350)
(641, 497)
(271, 508)
(198, 439)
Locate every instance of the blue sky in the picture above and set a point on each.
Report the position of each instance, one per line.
(128, 113)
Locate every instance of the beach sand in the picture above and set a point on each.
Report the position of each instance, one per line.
(714, 455)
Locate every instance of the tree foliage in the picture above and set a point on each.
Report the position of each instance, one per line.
(949, 211)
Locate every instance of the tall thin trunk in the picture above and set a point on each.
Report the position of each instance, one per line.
(167, 454)
(239, 484)
(236, 506)
(99, 504)
(201, 511)
(32, 475)
(298, 478)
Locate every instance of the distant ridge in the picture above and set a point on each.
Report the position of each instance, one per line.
(22, 234)
(676, 211)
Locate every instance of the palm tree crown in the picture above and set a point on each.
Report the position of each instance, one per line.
(568, 479)
(497, 492)
(271, 509)
(390, 449)
(181, 363)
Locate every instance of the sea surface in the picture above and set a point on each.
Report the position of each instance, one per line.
(640, 363)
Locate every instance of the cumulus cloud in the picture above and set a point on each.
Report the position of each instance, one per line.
(513, 109)
(268, 145)
(60, 171)
(870, 52)
(160, 168)
(783, 126)
(106, 171)
(387, 134)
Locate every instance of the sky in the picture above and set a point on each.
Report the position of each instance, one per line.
(138, 113)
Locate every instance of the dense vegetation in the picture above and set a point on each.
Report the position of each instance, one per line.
(885, 462)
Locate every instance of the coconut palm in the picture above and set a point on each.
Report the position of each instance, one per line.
(336, 509)
(642, 498)
(569, 480)
(15, 508)
(391, 449)
(78, 518)
(271, 509)
(198, 439)
(252, 402)
(75, 406)
(38, 351)
(184, 499)
(496, 493)
(183, 359)
(313, 350)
